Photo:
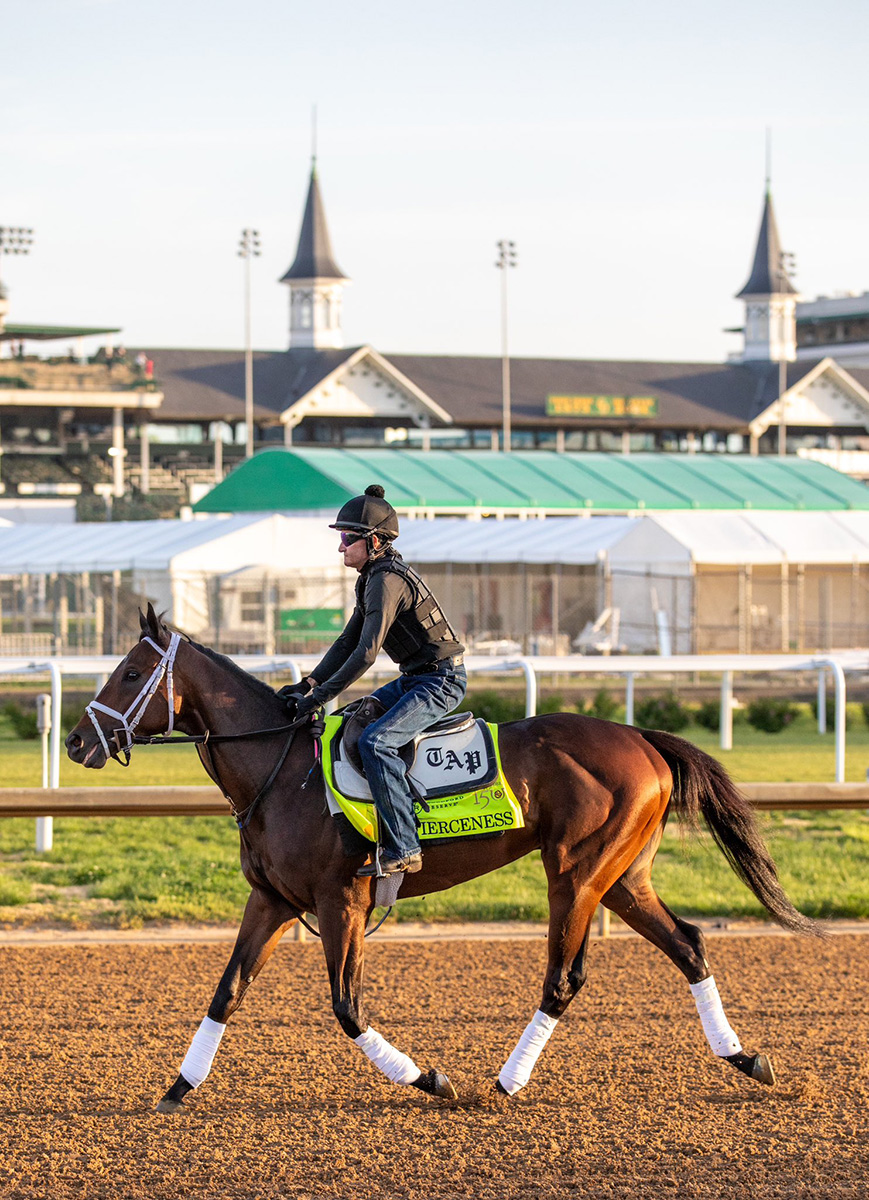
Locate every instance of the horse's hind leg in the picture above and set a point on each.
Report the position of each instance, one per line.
(635, 900)
(266, 916)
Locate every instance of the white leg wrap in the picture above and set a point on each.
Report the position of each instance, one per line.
(202, 1050)
(716, 1026)
(395, 1065)
(517, 1070)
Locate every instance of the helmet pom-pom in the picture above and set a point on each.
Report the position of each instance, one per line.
(375, 489)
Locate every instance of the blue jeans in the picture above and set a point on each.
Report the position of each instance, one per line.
(413, 702)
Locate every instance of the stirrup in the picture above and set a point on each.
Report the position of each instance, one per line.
(385, 866)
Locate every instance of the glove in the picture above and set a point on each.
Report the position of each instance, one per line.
(307, 706)
(293, 692)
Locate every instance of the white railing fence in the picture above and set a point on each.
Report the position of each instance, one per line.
(625, 668)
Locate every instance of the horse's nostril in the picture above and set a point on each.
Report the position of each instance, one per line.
(73, 742)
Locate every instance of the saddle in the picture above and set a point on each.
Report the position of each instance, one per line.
(453, 772)
(455, 754)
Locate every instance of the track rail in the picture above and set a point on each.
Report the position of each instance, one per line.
(207, 801)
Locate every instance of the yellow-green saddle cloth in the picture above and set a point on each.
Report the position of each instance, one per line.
(456, 773)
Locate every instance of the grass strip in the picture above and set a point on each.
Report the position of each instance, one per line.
(128, 872)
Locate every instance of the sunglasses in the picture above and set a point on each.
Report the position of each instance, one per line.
(350, 539)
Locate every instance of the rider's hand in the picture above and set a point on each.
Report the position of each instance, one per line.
(292, 693)
(306, 706)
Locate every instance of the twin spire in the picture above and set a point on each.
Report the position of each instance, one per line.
(317, 283)
(315, 280)
(770, 297)
(769, 275)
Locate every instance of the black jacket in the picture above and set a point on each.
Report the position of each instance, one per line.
(396, 612)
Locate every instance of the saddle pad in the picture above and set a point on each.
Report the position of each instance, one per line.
(478, 812)
(446, 763)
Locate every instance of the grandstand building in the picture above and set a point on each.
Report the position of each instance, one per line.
(155, 429)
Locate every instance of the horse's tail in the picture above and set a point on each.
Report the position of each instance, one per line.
(701, 785)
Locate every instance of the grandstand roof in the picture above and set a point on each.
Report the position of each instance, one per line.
(209, 384)
(50, 333)
(444, 481)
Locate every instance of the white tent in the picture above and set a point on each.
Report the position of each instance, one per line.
(750, 537)
(39, 510)
(174, 563)
(714, 580)
(567, 540)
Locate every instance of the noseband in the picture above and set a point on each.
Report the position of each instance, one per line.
(131, 718)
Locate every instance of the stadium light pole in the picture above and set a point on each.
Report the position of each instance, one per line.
(248, 248)
(787, 267)
(506, 259)
(14, 239)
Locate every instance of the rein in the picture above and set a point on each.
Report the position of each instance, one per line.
(134, 713)
(242, 819)
(204, 740)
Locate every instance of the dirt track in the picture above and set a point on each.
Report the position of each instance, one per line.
(626, 1101)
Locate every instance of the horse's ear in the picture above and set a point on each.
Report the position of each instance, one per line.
(150, 623)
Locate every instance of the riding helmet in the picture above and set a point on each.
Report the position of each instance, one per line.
(370, 513)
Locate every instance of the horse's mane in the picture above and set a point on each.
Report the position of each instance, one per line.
(153, 625)
(244, 677)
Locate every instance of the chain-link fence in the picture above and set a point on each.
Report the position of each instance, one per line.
(497, 608)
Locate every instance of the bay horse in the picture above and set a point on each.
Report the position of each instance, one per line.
(595, 797)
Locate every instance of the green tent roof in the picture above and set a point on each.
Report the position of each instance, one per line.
(457, 480)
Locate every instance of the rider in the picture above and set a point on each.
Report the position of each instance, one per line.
(394, 611)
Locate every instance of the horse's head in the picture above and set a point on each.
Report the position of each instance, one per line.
(140, 692)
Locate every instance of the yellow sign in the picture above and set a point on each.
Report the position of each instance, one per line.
(601, 406)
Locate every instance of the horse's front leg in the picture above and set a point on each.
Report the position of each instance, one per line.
(342, 929)
(266, 916)
(571, 908)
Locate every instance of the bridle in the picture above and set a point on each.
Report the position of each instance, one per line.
(121, 751)
(131, 718)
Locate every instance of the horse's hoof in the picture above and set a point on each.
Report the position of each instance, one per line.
(170, 1106)
(762, 1071)
(433, 1083)
(756, 1067)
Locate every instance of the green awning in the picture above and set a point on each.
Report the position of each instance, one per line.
(48, 333)
(299, 480)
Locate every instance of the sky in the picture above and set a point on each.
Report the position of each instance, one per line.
(622, 146)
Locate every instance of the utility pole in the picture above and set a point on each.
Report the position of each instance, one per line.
(787, 267)
(248, 248)
(506, 259)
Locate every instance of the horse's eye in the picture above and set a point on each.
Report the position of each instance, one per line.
(131, 674)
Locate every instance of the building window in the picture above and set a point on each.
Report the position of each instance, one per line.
(252, 607)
